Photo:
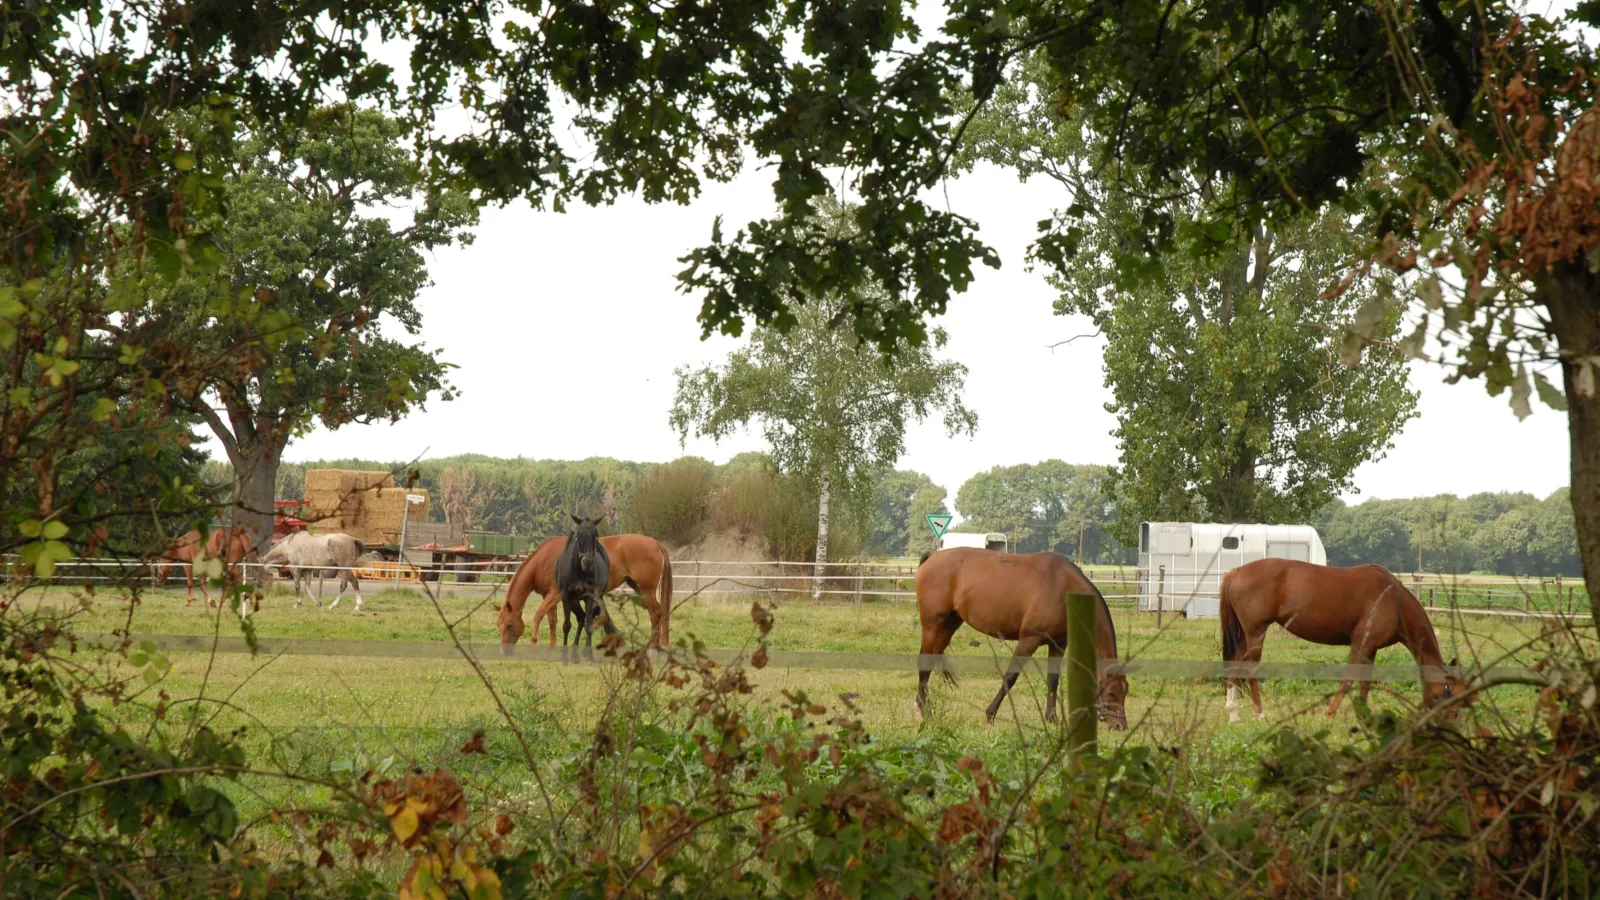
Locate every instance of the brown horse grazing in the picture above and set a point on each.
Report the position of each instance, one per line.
(1362, 607)
(1013, 597)
(640, 562)
(186, 549)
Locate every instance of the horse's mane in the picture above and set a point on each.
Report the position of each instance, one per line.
(1110, 622)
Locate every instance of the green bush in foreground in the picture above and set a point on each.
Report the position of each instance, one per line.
(687, 788)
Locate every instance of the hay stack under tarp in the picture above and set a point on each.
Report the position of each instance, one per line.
(365, 505)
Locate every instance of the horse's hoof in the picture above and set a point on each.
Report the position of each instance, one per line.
(1233, 718)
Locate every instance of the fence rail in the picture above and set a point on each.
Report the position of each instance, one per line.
(969, 663)
(1469, 595)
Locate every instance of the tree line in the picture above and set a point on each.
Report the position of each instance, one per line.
(1046, 506)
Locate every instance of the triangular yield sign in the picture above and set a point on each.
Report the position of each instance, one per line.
(939, 523)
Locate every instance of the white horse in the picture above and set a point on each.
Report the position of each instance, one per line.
(304, 553)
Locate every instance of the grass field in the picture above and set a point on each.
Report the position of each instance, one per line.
(339, 716)
(312, 691)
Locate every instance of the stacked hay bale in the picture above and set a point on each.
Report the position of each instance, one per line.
(365, 505)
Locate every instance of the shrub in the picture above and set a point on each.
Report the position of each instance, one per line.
(669, 503)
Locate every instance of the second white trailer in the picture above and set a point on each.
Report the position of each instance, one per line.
(1181, 564)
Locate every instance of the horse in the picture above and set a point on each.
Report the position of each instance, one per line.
(186, 549)
(640, 562)
(305, 553)
(582, 572)
(1013, 597)
(1364, 608)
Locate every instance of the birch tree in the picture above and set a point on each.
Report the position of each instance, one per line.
(833, 410)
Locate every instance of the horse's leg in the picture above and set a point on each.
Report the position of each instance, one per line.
(1253, 654)
(1358, 656)
(322, 575)
(295, 572)
(547, 611)
(934, 642)
(188, 581)
(1053, 679)
(355, 583)
(591, 607)
(1026, 645)
(566, 627)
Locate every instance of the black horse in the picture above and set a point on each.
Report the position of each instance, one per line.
(583, 571)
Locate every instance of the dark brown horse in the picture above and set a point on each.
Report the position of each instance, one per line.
(1013, 597)
(1364, 608)
(640, 562)
(186, 549)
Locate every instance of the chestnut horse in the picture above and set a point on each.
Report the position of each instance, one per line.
(1364, 608)
(186, 549)
(1013, 597)
(640, 562)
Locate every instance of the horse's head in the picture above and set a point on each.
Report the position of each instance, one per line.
(585, 541)
(1451, 691)
(1113, 701)
(509, 622)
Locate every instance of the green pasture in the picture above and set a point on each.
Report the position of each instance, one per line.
(298, 691)
(330, 716)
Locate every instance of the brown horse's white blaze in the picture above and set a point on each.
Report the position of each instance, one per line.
(640, 562)
(1013, 597)
(1364, 608)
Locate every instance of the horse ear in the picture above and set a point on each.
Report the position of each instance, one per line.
(575, 519)
(1455, 661)
(495, 607)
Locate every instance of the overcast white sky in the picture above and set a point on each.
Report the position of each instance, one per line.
(542, 301)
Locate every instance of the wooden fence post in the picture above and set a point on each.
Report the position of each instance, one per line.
(1082, 678)
(1161, 596)
(859, 568)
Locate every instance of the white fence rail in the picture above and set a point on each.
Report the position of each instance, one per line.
(1486, 595)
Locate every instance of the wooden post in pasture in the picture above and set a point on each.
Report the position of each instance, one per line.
(859, 568)
(1558, 590)
(1082, 678)
(1161, 595)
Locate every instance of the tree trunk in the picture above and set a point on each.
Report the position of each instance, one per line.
(1570, 295)
(256, 475)
(821, 568)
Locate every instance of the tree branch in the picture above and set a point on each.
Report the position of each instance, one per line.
(1069, 340)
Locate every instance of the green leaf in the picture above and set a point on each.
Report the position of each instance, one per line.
(104, 409)
(1520, 392)
(10, 306)
(30, 528)
(55, 529)
(1548, 393)
(183, 161)
(1431, 293)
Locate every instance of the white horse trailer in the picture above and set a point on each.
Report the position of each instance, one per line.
(994, 540)
(1181, 564)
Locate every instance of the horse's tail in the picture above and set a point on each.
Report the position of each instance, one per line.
(361, 546)
(948, 673)
(664, 594)
(1232, 628)
(925, 555)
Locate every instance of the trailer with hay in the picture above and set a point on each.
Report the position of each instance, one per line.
(370, 507)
